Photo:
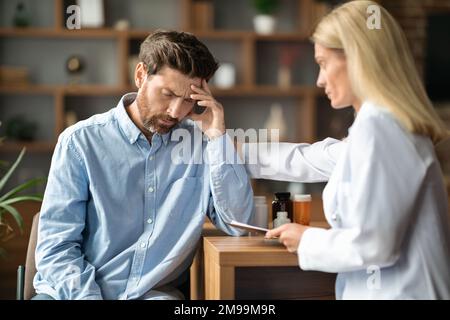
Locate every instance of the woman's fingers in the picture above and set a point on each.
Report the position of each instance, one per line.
(274, 233)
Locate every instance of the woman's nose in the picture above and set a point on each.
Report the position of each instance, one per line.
(321, 80)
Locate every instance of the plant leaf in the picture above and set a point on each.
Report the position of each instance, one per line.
(21, 198)
(21, 187)
(11, 170)
(16, 215)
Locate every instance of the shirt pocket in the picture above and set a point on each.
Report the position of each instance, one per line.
(184, 199)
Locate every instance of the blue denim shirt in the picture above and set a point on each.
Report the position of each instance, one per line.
(121, 216)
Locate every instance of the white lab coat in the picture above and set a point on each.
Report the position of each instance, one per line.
(386, 203)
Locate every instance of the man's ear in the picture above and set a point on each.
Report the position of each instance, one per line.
(140, 74)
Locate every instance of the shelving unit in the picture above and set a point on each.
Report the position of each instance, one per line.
(255, 57)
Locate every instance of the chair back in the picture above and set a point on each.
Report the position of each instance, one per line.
(30, 262)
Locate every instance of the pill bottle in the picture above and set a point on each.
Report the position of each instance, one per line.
(302, 209)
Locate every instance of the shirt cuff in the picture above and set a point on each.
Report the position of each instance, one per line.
(306, 248)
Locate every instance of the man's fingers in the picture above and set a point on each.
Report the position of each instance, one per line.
(205, 86)
(198, 90)
(201, 97)
(212, 104)
(192, 115)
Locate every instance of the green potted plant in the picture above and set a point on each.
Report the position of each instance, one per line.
(14, 196)
(19, 128)
(264, 22)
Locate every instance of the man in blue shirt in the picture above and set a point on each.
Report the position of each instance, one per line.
(128, 190)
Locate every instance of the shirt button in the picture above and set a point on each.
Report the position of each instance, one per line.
(334, 217)
(151, 189)
(150, 221)
(151, 158)
(143, 244)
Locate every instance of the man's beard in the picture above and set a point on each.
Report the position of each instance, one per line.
(153, 123)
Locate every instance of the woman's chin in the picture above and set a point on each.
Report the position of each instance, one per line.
(338, 104)
(335, 104)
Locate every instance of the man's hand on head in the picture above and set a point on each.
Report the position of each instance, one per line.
(212, 120)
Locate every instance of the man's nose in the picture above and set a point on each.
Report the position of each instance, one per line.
(175, 108)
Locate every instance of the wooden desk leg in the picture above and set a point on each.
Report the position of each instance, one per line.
(225, 282)
(197, 276)
(219, 281)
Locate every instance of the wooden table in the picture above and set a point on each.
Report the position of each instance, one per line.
(196, 271)
(254, 268)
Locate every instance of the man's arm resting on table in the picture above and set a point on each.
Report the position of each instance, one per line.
(231, 191)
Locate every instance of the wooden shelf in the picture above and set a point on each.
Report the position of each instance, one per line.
(82, 90)
(264, 91)
(59, 33)
(230, 35)
(281, 37)
(141, 34)
(28, 89)
(223, 34)
(210, 34)
(35, 146)
(95, 89)
(68, 90)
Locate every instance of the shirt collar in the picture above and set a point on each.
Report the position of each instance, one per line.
(131, 131)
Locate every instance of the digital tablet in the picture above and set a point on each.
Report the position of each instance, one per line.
(247, 227)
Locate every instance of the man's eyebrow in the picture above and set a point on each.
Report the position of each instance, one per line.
(171, 92)
(177, 95)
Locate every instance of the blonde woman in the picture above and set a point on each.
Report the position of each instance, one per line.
(385, 199)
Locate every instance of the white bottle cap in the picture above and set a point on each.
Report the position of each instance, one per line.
(302, 197)
(281, 214)
(259, 199)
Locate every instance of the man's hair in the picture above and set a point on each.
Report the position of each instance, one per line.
(178, 50)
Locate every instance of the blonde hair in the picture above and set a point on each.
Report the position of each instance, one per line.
(380, 65)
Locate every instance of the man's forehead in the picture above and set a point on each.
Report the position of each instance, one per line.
(178, 82)
(180, 88)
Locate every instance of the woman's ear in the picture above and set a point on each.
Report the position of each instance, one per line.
(140, 74)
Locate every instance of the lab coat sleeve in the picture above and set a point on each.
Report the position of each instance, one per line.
(385, 178)
(292, 162)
